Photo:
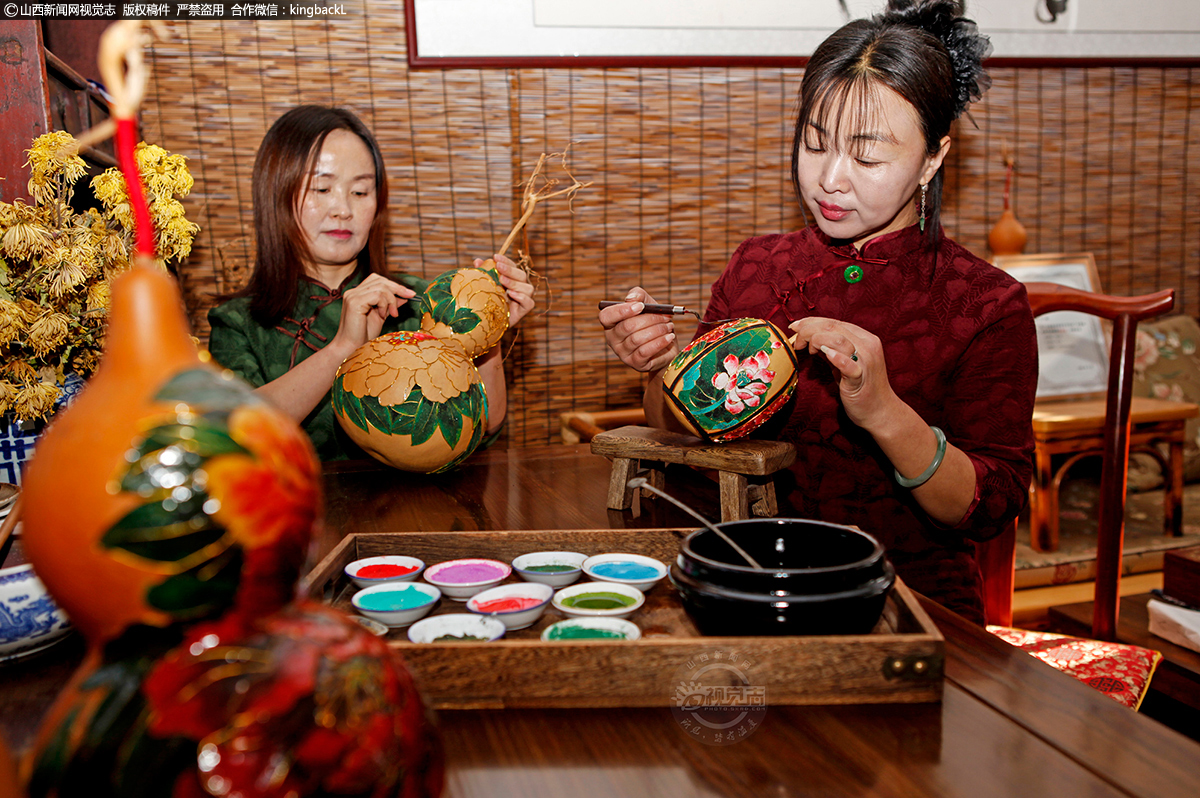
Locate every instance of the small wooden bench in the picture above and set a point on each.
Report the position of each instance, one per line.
(745, 467)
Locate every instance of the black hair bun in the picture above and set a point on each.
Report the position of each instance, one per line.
(960, 36)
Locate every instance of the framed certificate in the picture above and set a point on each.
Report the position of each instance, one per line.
(1073, 347)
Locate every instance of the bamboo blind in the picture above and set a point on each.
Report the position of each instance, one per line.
(685, 164)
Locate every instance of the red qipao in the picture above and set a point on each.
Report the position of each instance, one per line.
(961, 350)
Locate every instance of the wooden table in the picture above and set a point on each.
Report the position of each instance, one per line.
(1007, 725)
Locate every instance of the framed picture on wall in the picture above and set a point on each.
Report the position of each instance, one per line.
(1072, 347)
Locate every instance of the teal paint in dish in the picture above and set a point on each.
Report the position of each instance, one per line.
(408, 598)
(622, 569)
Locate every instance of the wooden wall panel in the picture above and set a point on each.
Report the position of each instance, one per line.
(685, 164)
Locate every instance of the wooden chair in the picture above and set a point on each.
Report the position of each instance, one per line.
(1076, 428)
(997, 557)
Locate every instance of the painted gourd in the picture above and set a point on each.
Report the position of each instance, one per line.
(169, 510)
(728, 382)
(411, 400)
(468, 306)
(414, 400)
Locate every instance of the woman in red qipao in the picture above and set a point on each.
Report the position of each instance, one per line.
(912, 416)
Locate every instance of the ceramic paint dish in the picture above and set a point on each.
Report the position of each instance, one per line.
(598, 600)
(461, 579)
(517, 606)
(554, 568)
(634, 570)
(396, 604)
(30, 621)
(574, 630)
(454, 628)
(371, 571)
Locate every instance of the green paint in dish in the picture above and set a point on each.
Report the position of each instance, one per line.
(452, 638)
(598, 601)
(551, 569)
(585, 633)
(408, 598)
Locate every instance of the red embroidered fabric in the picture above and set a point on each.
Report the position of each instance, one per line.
(1120, 671)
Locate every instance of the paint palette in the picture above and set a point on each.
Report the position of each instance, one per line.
(465, 659)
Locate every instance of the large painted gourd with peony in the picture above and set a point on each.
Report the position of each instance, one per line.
(414, 400)
(729, 381)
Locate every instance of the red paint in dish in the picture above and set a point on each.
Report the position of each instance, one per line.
(508, 604)
(382, 571)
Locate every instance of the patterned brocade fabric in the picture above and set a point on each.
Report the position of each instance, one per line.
(1120, 671)
(961, 350)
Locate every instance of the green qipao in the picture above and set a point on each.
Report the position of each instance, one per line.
(261, 354)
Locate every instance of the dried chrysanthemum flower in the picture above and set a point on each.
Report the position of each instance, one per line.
(53, 156)
(12, 322)
(85, 361)
(109, 187)
(98, 296)
(48, 332)
(163, 174)
(175, 232)
(56, 262)
(19, 372)
(25, 235)
(71, 273)
(8, 392)
(35, 400)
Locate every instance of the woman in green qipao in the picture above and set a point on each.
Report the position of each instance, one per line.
(320, 287)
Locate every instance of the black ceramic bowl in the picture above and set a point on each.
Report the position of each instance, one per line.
(817, 578)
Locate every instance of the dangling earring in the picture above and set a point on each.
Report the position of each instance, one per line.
(921, 218)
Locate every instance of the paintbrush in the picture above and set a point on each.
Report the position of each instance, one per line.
(663, 310)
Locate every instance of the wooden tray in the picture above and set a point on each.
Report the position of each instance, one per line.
(900, 661)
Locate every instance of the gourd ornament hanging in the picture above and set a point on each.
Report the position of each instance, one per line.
(169, 512)
(414, 400)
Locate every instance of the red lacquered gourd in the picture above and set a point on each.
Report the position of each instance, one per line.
(169, 512)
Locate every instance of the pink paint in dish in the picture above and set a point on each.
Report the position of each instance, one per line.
(468, 572)
(509, 604)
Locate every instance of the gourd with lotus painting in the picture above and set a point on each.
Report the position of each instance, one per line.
(729, 381)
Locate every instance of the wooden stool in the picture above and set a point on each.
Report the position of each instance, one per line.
(735, 461)
(1077, 428)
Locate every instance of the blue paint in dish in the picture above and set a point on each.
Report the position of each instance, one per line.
(408, 598)
(619, 569)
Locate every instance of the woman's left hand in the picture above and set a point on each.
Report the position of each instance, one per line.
(858, 363)
(516, 284)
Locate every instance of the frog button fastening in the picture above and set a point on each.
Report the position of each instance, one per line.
(853, 273)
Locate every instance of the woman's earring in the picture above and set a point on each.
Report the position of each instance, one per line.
(921, 218)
